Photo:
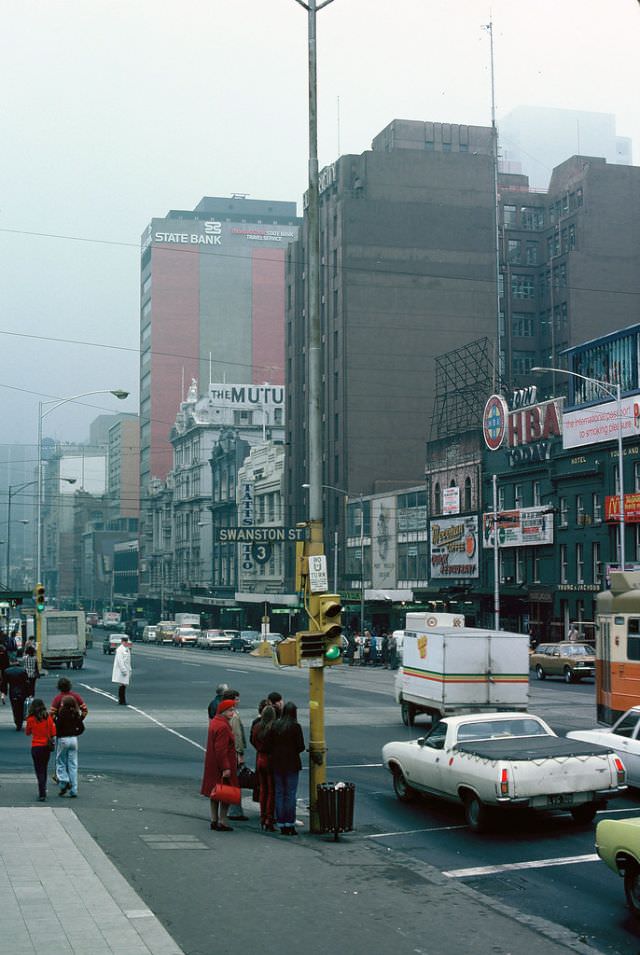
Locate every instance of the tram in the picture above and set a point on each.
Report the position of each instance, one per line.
(618, 646)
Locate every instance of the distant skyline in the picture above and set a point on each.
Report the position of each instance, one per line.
(118, 112)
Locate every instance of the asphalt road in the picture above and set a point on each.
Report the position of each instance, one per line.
(141, 769)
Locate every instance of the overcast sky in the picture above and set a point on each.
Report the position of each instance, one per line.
(115, 111)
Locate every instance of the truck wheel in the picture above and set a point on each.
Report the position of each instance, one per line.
(540, 672)
(476, 813)
(584, 814)
(401, 787)
(568, 675)
(68, 664)
(632, 889)
(408, 712)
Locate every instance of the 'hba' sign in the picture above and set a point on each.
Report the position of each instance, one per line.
(258, 535)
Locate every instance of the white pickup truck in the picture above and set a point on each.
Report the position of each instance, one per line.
(498, 760)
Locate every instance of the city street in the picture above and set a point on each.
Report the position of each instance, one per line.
(140, 771)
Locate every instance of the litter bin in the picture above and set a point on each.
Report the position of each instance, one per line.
(335, 807)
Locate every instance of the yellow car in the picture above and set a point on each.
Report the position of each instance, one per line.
(571, 661)
(618, 845)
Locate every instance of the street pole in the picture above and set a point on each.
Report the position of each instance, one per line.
(8, 578)
(335, 561)
(315, 543)
(496, 559)
(361, 568)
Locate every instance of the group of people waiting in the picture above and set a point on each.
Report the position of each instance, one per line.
(18, 675)
(278, 741)
(372, 649)
(56, 730)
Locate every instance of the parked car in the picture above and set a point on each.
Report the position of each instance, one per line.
(92, 618)
(623, 738)
(111, 642)
(214, 640)
(272, 638)
(572, 661)
(185, 636)
(149, 634)
(164, 631)
(244, 641)
(618, 845)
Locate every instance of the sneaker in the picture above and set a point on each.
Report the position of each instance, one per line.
(75, 796)
(64, 789)
(54, 778)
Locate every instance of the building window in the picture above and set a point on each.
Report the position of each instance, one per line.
(579, 509)
(437, 499)
(523, 286)
(580, 563)
(522, 325)
(563, 564)
(596, 566)
(597, 508)
(531, 256)
(522, 362)
(501, 573)
(536, 493)
(535, 562)
(637, 540)
(531, 218)
(501, 498)
(518, 496)
(510, 216)
(519, 565)
(467, 494)
(562, 504)
(636, 476)
(513, 251)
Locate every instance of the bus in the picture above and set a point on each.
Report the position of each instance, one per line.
(618, 646)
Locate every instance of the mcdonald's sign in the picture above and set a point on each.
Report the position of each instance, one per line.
(631, 509)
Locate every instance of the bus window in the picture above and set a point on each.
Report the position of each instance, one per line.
(633, 639)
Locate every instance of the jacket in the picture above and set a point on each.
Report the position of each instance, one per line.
(122, 666)
(286, 743)
(219, 756)
(40, 731)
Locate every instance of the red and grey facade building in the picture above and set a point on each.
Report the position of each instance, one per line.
(212, 308)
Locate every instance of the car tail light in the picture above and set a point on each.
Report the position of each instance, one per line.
(620, 770)
(504, 783)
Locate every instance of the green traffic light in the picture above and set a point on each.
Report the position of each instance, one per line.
(332, 653)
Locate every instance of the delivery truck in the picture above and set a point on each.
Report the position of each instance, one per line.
(447, 671)
(188, 620)
(63, 636)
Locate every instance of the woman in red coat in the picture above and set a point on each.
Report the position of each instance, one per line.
(220, 762)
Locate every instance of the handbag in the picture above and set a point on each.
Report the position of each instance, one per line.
(51, 743)
(227, 794)
(246, 777)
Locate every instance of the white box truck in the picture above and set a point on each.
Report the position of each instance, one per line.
(188, 620)
(447, 671)
(64, 640)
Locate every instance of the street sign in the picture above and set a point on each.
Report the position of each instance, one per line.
(259, 535)
(318, 580)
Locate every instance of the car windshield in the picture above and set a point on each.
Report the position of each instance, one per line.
(578, 650)
(484, 729)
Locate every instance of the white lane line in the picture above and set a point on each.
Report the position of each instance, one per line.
(355, 766)
(235, 670)
(516, 866)
(410, 832)
(94, 689)
(607, 812)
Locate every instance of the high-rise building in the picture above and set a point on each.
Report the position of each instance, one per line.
(212, 309)
(535, 139)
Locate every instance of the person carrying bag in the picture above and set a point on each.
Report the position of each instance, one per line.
(220, 779)
(69, 726)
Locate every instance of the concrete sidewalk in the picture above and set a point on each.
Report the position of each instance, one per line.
(249, 892)
(61, 894)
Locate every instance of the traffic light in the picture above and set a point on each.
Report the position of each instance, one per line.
(40, 597)
(330, 624)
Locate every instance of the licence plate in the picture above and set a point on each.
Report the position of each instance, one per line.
(560, 799)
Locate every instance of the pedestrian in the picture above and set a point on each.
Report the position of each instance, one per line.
(276, 701)
(4, 663)
(64, 689)
(69, 726)
(236, 811)
(220, 763)
(17, 681)
(385, 650)
(30, 663)
(122, 670)
(373, 650)
(393, 652)
(42, 730)
(573, 634)
(287, 742)
(213, 706)
(366, 648)
(261, 732)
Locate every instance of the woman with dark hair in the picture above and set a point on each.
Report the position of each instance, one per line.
(30, 663)
(69, 726)
(261, 741)
(41, 728)
(220, 763)
(287, 742)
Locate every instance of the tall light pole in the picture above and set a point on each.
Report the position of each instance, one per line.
(613, 390)
(338, 490)
(42, 413)
(314, 545)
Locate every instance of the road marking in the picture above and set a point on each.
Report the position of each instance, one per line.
(356, 766)
(609, 811)
(516, 866)
(410, 832)
(136, 709)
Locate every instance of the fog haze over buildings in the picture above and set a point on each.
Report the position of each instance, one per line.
(116, 113)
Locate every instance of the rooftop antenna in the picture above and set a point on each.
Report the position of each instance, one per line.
(494, 137)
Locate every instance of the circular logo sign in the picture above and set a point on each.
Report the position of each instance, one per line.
(494, 422)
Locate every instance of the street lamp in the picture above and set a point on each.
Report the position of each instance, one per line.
(13, 491)
(42, 413)
(613, 390)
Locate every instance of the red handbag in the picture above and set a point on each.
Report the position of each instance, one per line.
(228, 794)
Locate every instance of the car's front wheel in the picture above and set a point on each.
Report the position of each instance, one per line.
(540, 672)
(401, 787)
(584, 814)
(632, 889)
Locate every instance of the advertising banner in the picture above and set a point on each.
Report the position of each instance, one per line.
(598, 423)
(383, 542)
(451, 500)
(521, 527)
(631, 509)
(454, 548)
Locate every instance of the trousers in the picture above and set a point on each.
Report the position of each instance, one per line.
(40, 757)
(67, 762)
(286, 786)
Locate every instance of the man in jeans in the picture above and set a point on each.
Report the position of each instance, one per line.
(237, 812)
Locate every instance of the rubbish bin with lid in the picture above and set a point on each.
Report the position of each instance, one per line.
(335, 807)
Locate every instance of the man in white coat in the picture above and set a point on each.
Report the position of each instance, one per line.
(122, 671)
